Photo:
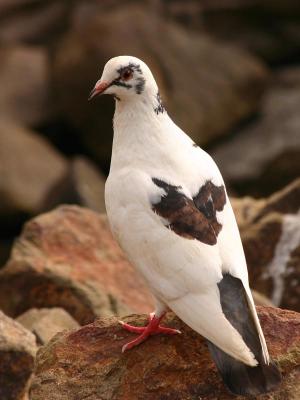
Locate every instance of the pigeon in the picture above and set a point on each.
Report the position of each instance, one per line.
(168, 209)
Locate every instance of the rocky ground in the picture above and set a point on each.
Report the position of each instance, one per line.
(229, 73)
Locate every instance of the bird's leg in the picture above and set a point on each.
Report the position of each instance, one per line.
(153, 328)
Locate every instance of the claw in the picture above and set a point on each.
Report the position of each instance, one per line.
(153, 328)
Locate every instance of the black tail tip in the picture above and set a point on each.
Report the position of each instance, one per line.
(242, 379)
(252, 381)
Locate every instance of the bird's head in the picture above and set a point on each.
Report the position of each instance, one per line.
(125, 77)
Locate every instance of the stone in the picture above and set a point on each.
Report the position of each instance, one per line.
(5, 247)
(67, 258)
(38, 23)
(88, 363)
(83, 185)
(26, 175)
(17, 355)
(265, 155)
(267, 28)
(272, 249)
(45, 323)
(270, 232)
(260, 299)
(248, 210)
(25, 86)
(229, 81)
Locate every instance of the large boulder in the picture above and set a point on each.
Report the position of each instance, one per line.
(17, 354)
(265, 155)
(269, 29)
(208, 87)
(67, 258)
(25, 86)
(28, 21)
(29, 167)
(88, 363)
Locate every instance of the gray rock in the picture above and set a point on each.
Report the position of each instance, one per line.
(29, 166)
(271, 29)
(47, 322)
(24, 82)
(83, 185)
(33, 22)
(265, 155)
(17, 354)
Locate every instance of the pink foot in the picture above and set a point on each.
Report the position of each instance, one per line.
(153, 328)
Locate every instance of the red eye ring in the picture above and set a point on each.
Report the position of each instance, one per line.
(127, 74)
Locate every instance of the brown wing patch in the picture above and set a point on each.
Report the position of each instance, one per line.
(209, 200)
(192, 219)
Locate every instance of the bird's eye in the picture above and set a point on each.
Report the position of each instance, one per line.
(126, 74)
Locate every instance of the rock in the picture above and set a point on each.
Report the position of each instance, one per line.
(25, 22)
(24, 81)
(248, 210)
(26, 175)
(17, 354)
(245, 209)
(67, 258)
(5, 247)
(45, 323)
(267, 28)
(260, 299)
(265, 156)
(272, 248)
(270, 231)
(228, 86)
(177, 367)
(83, 185)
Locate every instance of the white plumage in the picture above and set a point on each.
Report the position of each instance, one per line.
(182, 272)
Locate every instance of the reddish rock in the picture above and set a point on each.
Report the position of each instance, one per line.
(17, 353)
(88, 363)
(67, 258)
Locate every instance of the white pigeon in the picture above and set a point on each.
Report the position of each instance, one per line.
(168, 209)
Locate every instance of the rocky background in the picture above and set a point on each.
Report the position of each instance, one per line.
(229, 72)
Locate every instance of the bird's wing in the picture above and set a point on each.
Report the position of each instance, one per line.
(195, 223)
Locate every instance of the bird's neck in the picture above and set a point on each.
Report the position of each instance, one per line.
(138, 127)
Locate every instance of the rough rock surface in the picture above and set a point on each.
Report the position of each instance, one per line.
(67, 258)
(229, 82)
(44, 323)
(17, 353)
(25, 86)
(88, 363)
(83, 185)
(270, 231)
(26, 177)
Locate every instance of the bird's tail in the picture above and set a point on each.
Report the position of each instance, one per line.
(240, 378)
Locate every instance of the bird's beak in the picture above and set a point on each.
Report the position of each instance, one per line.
(99, 88)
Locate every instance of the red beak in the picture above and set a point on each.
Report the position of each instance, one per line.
(99, 88)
